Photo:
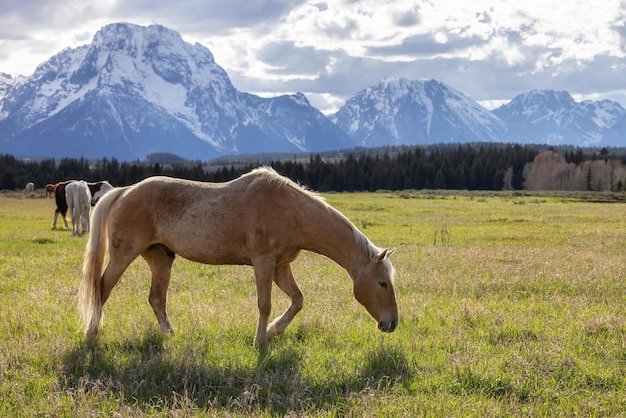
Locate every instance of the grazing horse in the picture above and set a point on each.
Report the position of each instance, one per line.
(78, 199)
(97, 189)
(50, 190)
(30, 188)
(61, 202)
(260, 219)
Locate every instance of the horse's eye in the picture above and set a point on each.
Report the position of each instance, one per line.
(383, 285)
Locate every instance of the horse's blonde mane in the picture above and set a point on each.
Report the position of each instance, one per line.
(273, 177)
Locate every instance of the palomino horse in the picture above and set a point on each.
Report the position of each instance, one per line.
(78, 199)
(260, 219)
(97, 189)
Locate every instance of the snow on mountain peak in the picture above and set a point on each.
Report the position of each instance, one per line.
(415, 111)
(152, 62)
(146, 89)
(7, 82)
(143, 87)
(556, 118)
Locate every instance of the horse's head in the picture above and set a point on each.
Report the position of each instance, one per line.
(373, 288)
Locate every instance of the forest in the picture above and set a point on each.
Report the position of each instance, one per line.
(454, 167)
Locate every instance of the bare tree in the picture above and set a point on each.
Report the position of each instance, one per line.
(550, 171)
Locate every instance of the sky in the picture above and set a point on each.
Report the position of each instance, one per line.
(332, 49)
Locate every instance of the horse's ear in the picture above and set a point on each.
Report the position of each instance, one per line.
(384, 254)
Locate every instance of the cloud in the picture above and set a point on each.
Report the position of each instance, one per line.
(331, 49)
(408, 18)
(428, 45)
(286, 59)
(212, 16)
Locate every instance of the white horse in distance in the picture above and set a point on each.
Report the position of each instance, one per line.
(78, 197)
(30, 188)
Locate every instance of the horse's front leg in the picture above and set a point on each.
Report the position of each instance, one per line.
(283, 277)
(263, 274)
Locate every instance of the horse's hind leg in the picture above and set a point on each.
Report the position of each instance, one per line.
(63, 217)
(283, 277)
(112, 273)
(74, 219)
(160, 259)
(54, 220)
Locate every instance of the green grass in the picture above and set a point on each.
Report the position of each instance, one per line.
(510, 304)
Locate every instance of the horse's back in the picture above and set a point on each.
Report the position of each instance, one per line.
(212, 223)
(99, 189)
(77, 194)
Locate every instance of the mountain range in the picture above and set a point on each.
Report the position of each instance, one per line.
(136, 90)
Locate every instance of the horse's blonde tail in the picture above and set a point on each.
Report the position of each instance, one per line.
(90, 293)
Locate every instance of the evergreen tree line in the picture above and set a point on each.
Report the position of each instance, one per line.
(462, 167)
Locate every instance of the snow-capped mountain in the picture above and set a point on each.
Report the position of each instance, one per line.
(401, 111)
(6, 83)
(136, 90)
(553, 117)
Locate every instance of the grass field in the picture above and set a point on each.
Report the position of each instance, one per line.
(510, 305)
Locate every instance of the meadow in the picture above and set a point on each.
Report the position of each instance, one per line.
(511, 304)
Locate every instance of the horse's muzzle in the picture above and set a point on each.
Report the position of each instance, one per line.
(387, 326)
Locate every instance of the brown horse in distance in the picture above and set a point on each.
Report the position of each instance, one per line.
(50, 190)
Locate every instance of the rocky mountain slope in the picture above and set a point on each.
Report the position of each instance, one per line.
(137, 90)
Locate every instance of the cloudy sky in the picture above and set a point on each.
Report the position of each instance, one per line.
(331, 49)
